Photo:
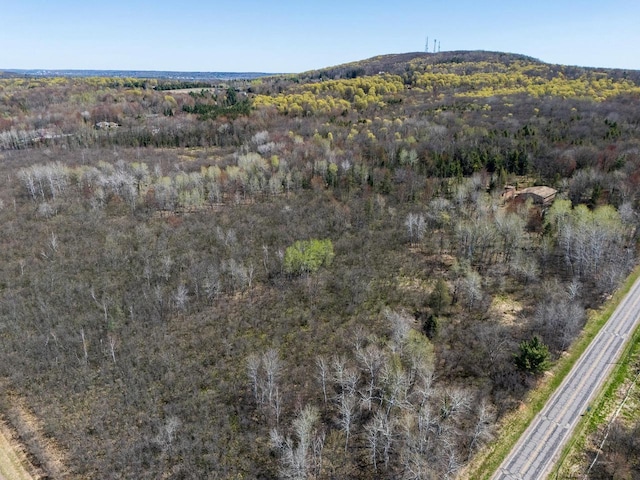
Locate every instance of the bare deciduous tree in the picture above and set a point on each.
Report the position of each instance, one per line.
(347, 408)
(298, 456)
(253, 372)
(379, 432)
(400, 324)
(416, 227)
(482, 429)
(272, 369)
(323, 373)
(372, 359)
(181, 297)
(470, 288)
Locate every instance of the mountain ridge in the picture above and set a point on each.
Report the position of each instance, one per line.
(401, 63)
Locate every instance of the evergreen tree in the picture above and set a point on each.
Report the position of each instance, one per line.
(533, 356)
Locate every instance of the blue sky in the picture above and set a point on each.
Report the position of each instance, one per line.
(294, 36)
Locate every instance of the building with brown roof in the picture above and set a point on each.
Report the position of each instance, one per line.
(540, 195)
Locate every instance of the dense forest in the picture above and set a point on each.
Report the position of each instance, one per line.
(306, 276)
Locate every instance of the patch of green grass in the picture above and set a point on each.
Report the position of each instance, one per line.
(513, 425)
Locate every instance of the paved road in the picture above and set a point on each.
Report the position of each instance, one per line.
(539, 447)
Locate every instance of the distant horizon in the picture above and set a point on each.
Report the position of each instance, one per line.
(129, 70)
(149, 74)
(207, 74)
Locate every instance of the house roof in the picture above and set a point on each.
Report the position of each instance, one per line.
(541, 191)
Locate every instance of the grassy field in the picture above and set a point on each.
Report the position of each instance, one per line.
(514, 425)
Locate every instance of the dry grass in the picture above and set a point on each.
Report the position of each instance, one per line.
(506, 309)
(13, 461)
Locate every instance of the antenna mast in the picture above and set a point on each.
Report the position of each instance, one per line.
(426, 46)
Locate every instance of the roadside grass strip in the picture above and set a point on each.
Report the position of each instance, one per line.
(11, 465)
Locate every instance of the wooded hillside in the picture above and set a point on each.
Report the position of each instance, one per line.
(312, 276)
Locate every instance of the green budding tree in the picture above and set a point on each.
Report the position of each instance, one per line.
(307, 256)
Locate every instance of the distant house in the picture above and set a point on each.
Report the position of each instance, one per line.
(541, 195)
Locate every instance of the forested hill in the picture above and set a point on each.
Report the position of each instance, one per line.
(407, 64)
(403, 63)
(312, 276)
